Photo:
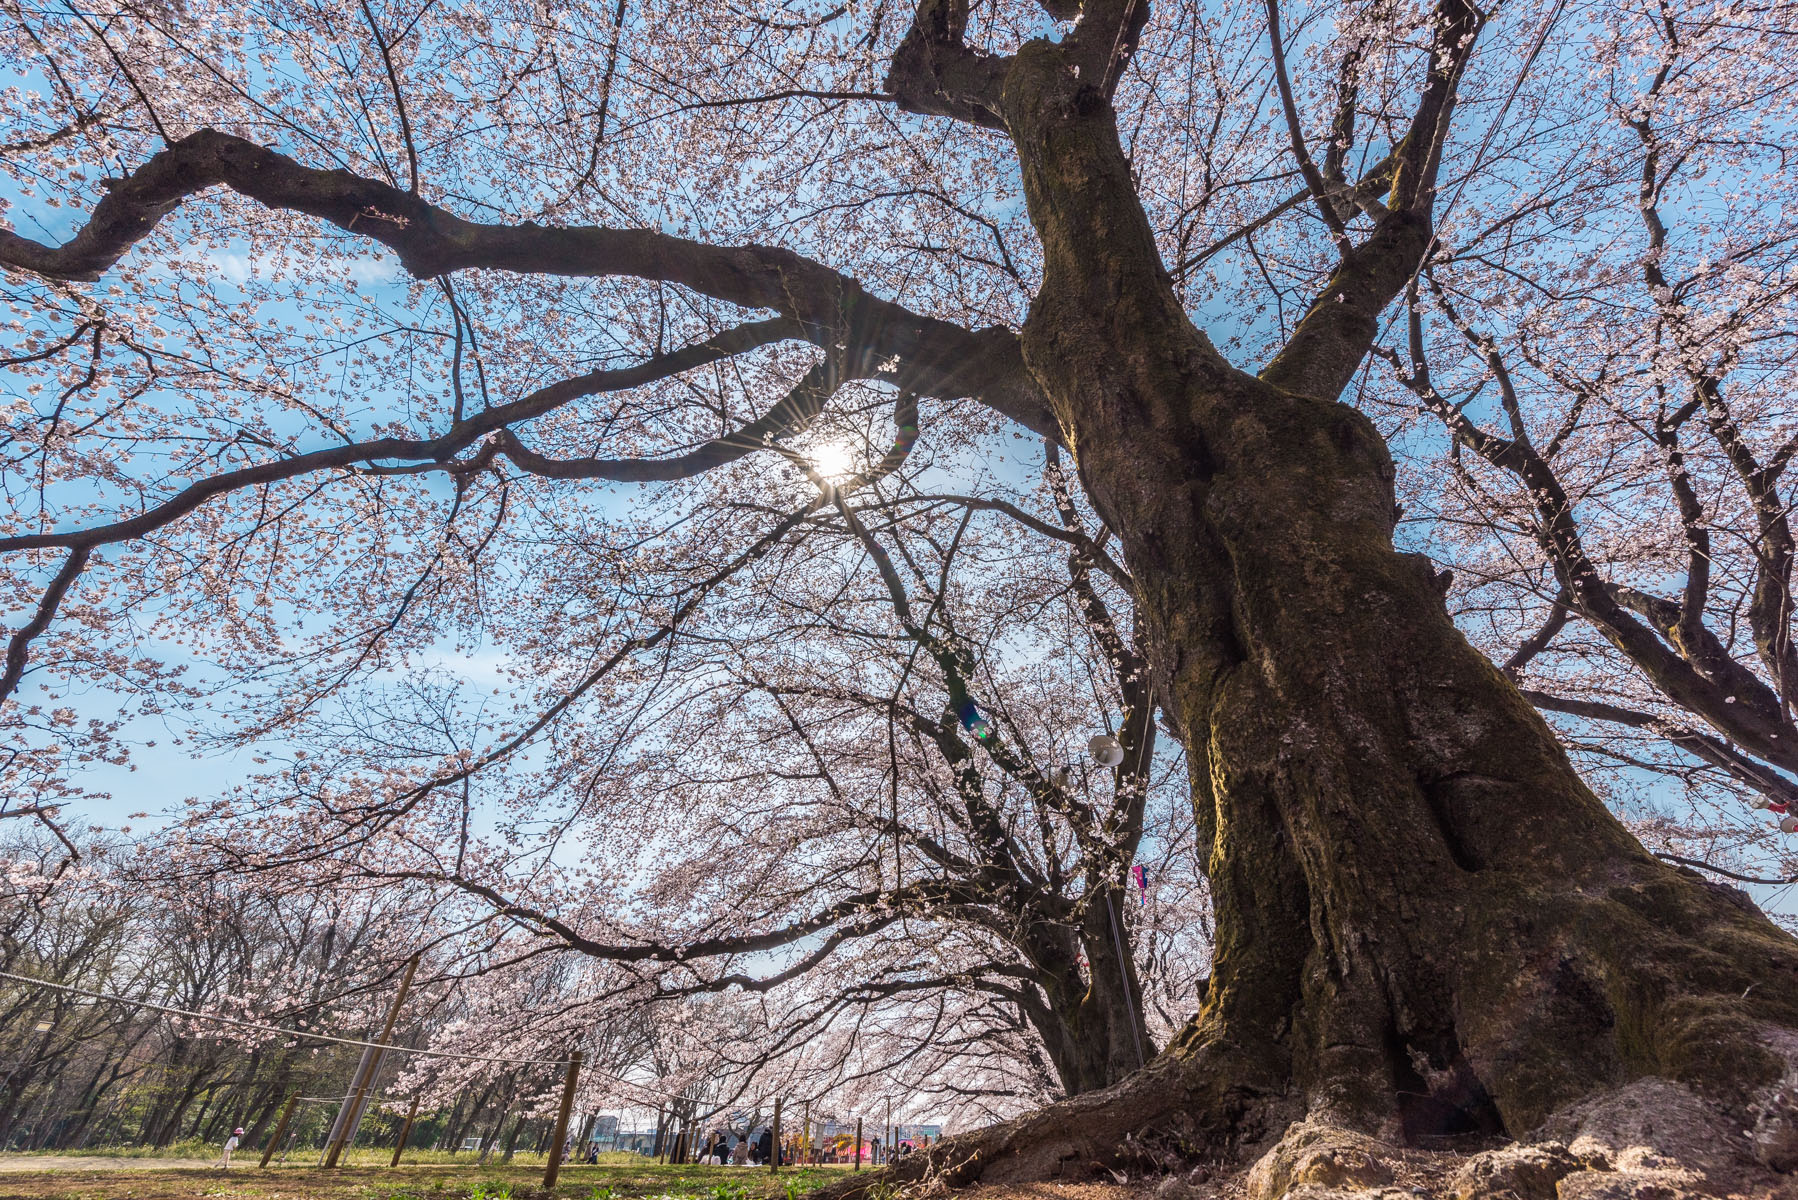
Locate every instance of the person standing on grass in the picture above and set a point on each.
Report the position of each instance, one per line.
(224, 1161)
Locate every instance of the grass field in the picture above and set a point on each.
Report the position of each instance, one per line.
(205, 1153)
(124, 1178)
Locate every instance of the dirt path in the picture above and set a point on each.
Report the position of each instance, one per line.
(10, 1163)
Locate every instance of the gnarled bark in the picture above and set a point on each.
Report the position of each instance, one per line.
(1426, 923)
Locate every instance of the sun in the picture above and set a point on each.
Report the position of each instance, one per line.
(836, 461)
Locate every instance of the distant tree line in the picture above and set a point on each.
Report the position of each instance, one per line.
(81, 1073)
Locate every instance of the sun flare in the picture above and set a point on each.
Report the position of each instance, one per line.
(836, 461)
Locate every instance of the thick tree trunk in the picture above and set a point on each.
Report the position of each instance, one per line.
(1107, 1022)
(1426, 923)
(1089, 1015)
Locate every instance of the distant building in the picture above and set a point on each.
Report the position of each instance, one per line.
(607, 1132)
(643, 1141)
(913, 1133)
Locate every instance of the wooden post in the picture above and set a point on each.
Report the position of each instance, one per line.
(268, 1151)
(774, 1158)
(405, 1132)
(554, 1167)
(858, 1143)
(806, 1153)
(366, 1074)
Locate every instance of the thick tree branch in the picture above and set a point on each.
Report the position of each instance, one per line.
(935, 72)
(1733, 701)
(1771, 607)
(1333, 337)
(18, 648)
(428, 453)
(936, 358)
(1704, 747)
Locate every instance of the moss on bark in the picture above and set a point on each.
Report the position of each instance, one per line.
(1426, 923)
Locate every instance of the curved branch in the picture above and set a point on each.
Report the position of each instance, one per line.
(1715, 751)
(875, 909)
(1073, 537)
(1701, 865)
(1537, 642)
(1333, 337)
(18, 649)
(430, 452)
(795, 413)
(939, 358)
(1314, 180)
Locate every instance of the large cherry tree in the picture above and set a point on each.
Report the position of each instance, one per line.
(667, 249)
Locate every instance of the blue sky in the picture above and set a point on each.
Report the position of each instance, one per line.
(169, 771)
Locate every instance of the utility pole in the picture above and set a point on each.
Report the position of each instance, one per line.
(351, 1115)
(554, 1168)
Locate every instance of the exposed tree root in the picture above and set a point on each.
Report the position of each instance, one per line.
(1652, 1139)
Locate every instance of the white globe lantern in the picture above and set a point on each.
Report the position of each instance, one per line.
(1106, 750)
(1759, 802)
(1789, 824)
